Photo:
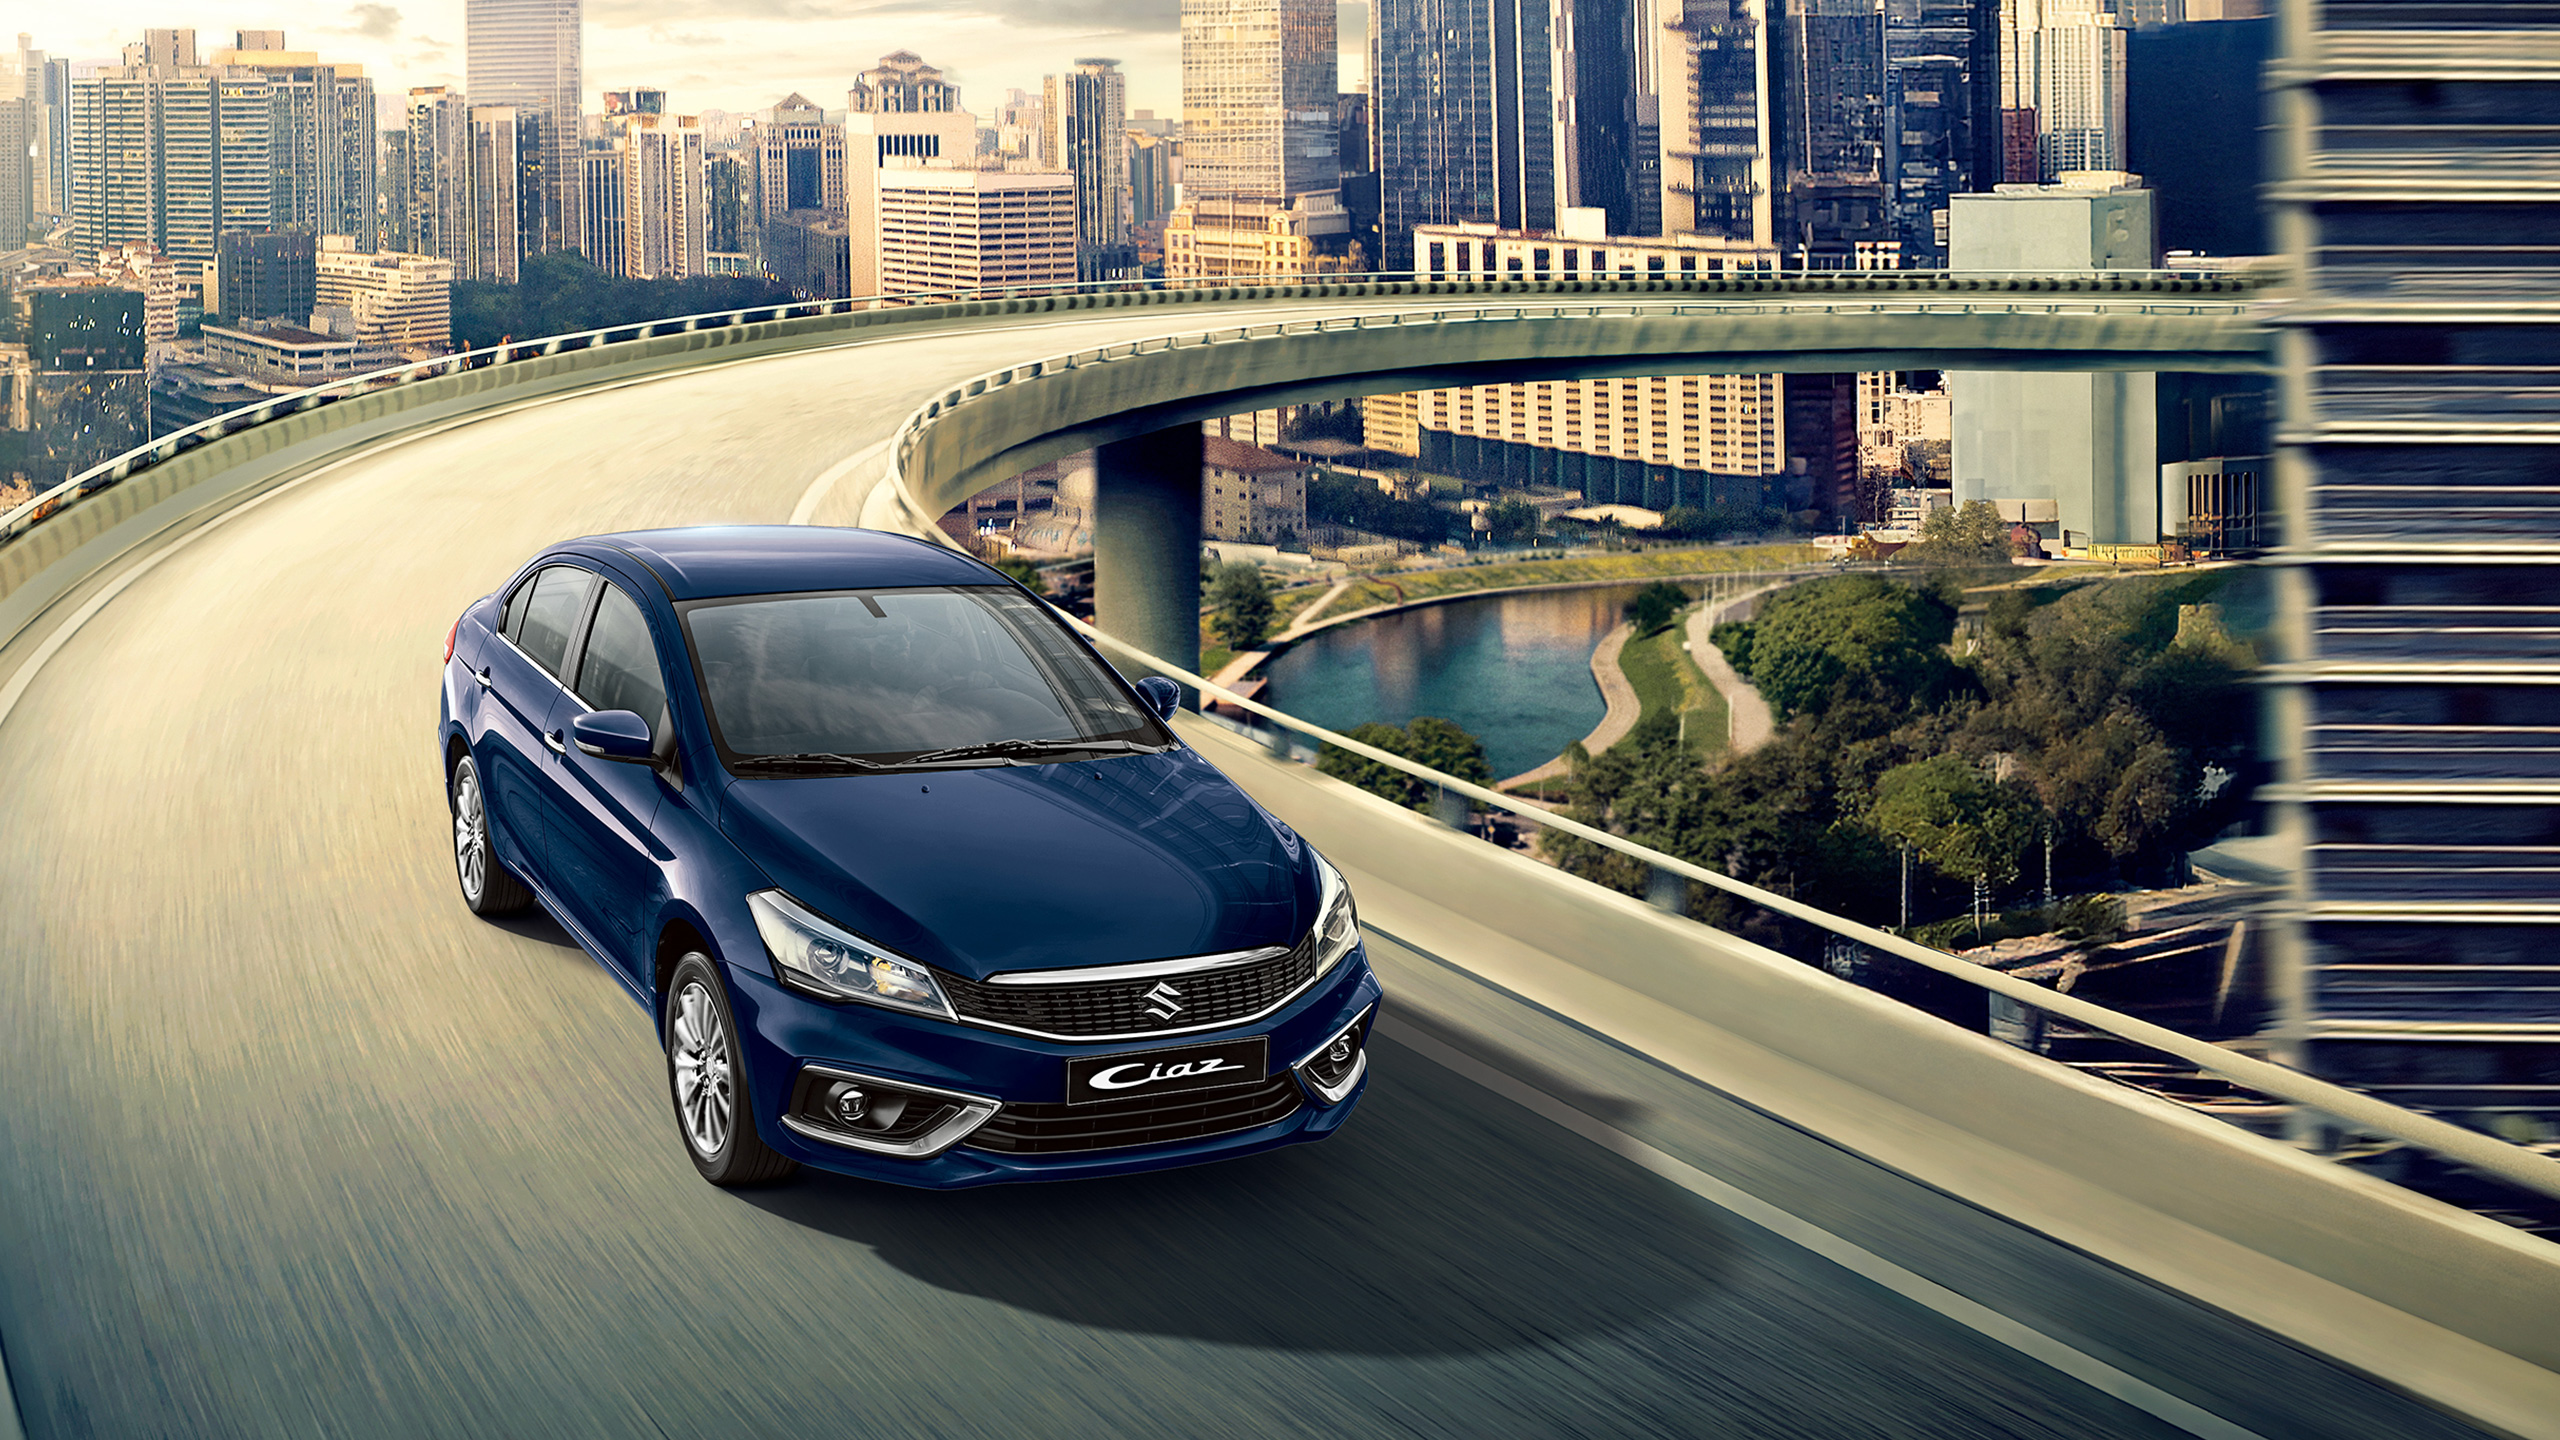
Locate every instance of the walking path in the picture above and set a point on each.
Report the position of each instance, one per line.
(1751, 724)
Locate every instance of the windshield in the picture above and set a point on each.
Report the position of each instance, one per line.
(885, 676)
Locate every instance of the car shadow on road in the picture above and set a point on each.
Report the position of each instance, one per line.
(1440, 1220)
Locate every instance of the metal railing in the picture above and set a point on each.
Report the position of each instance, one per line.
(2513, 1164)
(35, 510)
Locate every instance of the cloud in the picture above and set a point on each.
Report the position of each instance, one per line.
(673, 37)
(375, 22)
(1101, 17)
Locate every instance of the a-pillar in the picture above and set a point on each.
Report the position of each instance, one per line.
(1146, 543)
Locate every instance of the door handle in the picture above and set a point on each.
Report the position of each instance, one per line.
(558, 745)
(481, 677)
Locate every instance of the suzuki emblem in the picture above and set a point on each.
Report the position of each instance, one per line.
(1163, 1002)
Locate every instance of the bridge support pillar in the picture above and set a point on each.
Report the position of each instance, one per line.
(1146, 543)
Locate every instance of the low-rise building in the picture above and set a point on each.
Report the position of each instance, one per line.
(397, 302)
(1257, 242)
(290, 355)
(1248, 493)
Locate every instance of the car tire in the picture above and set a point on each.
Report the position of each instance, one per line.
(487, 886)
(707, 1081)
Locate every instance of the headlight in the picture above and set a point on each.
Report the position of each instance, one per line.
(820, 959)
(1337, 919)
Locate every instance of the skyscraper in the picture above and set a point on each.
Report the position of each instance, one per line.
(501, 147)
(169, 152)
(398, 229)
(800, 159)
(1711, 69)
(1827, 91)
(525, 55)
(601, 174)
(1464, 95)
(1087, 112)
(439, 178)
(1603, 99)
(1942, 115)
(322, 135)
(22, 128)
(902, 84)
(926, 125)
(1258, 86)
(663, 205)
(2064, 60)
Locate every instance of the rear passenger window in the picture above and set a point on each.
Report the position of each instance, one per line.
(558, 597)
(620, 668)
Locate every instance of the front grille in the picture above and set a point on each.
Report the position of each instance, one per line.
(1209, 998)
(1138, 1120)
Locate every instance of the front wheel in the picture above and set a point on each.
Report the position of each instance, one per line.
(707, 1076)
(486, 886)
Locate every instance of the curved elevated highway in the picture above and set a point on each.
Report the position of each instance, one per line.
(294, 1145)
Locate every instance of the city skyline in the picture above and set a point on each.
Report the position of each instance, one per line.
(727, 55)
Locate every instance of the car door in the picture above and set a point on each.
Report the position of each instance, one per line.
(520, 676)
(610, 862)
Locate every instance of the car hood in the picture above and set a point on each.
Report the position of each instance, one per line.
(1033, 867)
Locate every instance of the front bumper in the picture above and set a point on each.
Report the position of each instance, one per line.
(783, 1031)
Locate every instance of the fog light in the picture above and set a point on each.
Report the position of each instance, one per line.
(846, 1102)
(1335, 1068)
(1340, 1054)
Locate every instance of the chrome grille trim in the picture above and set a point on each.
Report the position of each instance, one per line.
(1141, 970)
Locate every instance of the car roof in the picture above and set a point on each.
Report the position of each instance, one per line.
(709, 561)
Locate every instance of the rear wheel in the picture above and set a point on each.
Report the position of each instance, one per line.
(707, 1077)
(486, 886)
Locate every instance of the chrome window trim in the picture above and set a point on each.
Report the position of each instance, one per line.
(975, 1110)
(1333, 1094)
(544, 671)
(1141, 970)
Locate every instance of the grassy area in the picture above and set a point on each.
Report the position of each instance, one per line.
(1668, 682)
(1405, 586)
(1214, 657)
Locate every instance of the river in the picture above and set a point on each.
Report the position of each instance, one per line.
(1513, 670)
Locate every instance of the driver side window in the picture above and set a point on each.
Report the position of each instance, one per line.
(619, 669)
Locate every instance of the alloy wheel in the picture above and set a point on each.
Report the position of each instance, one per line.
(700, 1047)
(470, 833)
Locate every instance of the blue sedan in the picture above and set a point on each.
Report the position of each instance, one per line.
(915, 886)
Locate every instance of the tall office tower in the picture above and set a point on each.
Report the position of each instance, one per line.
(926, 130)
(525, 55)
(800, 160)
(2064, 60)
(53, 158)
(1827, 88)
(2412, 693)
(398, 229)
(1601, 98)
(1258, 83)
(663, 204)
(944, 229)
(395, 302)
(439, 179)
(501, 145)
(1150, 165)
(170, 153)
(730, 225)
(1711, 66)
(1942, 116)
(601, 177)
(902, 84)
(1464, 97)
(1087, 110)
(262, 276)
(322, 137)
(25, 124)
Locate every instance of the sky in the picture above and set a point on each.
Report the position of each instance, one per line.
(707, 54)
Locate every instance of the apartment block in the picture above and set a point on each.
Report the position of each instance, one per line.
(395, 302)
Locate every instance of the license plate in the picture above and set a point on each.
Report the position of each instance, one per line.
(1164, 1072)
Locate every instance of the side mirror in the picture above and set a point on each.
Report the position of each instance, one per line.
(613, 735)
(1162, 695)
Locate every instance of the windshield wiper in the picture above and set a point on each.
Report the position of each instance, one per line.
(1020, 751)
(809, 760)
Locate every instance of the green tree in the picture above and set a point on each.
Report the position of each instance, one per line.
(1025, 572)
(1514, 521)
(1655, 607)
(561, 293)
(1969, 534)
(1440, 744)
(1240, 603)
(1962, 824)
(1818, 644)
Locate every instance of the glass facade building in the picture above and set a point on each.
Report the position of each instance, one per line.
(525, 55)
(1464, 96)
(1258, 86)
